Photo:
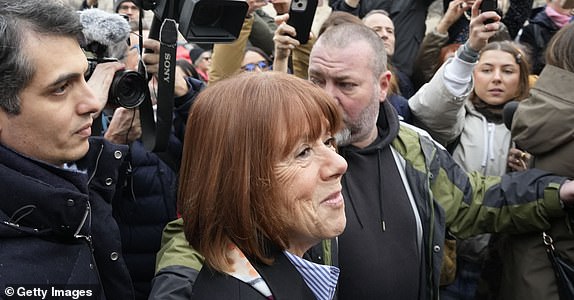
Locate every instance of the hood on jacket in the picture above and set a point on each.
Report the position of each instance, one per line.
(388, 124)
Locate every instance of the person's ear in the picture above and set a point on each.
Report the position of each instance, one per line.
(3, 116)
(384, 84)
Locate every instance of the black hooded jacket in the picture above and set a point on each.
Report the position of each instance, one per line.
(378, 210)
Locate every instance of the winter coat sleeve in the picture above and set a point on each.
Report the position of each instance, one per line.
(301, 58)
(262, 31)
(472, 203)
(177, 265)
(226, 58)
(437, 110)
(173, 283)
(514, 203)
(427, 60)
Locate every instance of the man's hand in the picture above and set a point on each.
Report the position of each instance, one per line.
(518, 160)
(101, 80)
(125, 126)
(255, 5)
(151, 60)
(281, 6)
(283, 37)
(567, 193)
(353, 3)
(180, 86)
(455, 10)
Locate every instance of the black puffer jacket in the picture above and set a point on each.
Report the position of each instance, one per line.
(146, 198)
(144, 204)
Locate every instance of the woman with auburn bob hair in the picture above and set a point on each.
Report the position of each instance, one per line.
(260, 184)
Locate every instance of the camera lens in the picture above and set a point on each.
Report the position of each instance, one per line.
(128, 89)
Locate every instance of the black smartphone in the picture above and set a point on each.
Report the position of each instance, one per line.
(489, 5)
(301, 14)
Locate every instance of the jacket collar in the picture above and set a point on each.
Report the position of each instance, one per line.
(388, 128)
(39, 198)
(283, 278)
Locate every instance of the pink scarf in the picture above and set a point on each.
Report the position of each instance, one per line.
(557, 18)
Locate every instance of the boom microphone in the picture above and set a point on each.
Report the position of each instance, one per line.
(104, 28)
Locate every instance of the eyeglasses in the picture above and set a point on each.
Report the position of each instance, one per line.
(252, 66)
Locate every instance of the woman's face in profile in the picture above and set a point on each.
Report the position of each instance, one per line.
(311, 176)
(496, 77)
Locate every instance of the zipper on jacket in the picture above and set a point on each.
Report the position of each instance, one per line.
(87, 217)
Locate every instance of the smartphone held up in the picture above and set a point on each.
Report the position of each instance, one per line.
(301, 15)
(488, 5)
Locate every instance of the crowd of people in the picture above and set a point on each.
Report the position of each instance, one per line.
(380, 160)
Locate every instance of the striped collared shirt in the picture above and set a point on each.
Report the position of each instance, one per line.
(321, 279)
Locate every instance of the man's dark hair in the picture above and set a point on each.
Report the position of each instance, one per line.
(18, 18)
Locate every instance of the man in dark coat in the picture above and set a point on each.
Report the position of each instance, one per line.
(57, 233)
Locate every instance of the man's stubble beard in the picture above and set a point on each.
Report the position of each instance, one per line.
(343, 137)
(358, 131)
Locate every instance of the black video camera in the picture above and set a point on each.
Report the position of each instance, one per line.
(201, 21)
(211, 21)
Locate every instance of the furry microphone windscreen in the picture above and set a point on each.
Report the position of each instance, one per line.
(103, 27)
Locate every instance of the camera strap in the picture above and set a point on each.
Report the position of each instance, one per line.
(155, 135)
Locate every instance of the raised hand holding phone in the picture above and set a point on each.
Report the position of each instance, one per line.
(479, 29)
